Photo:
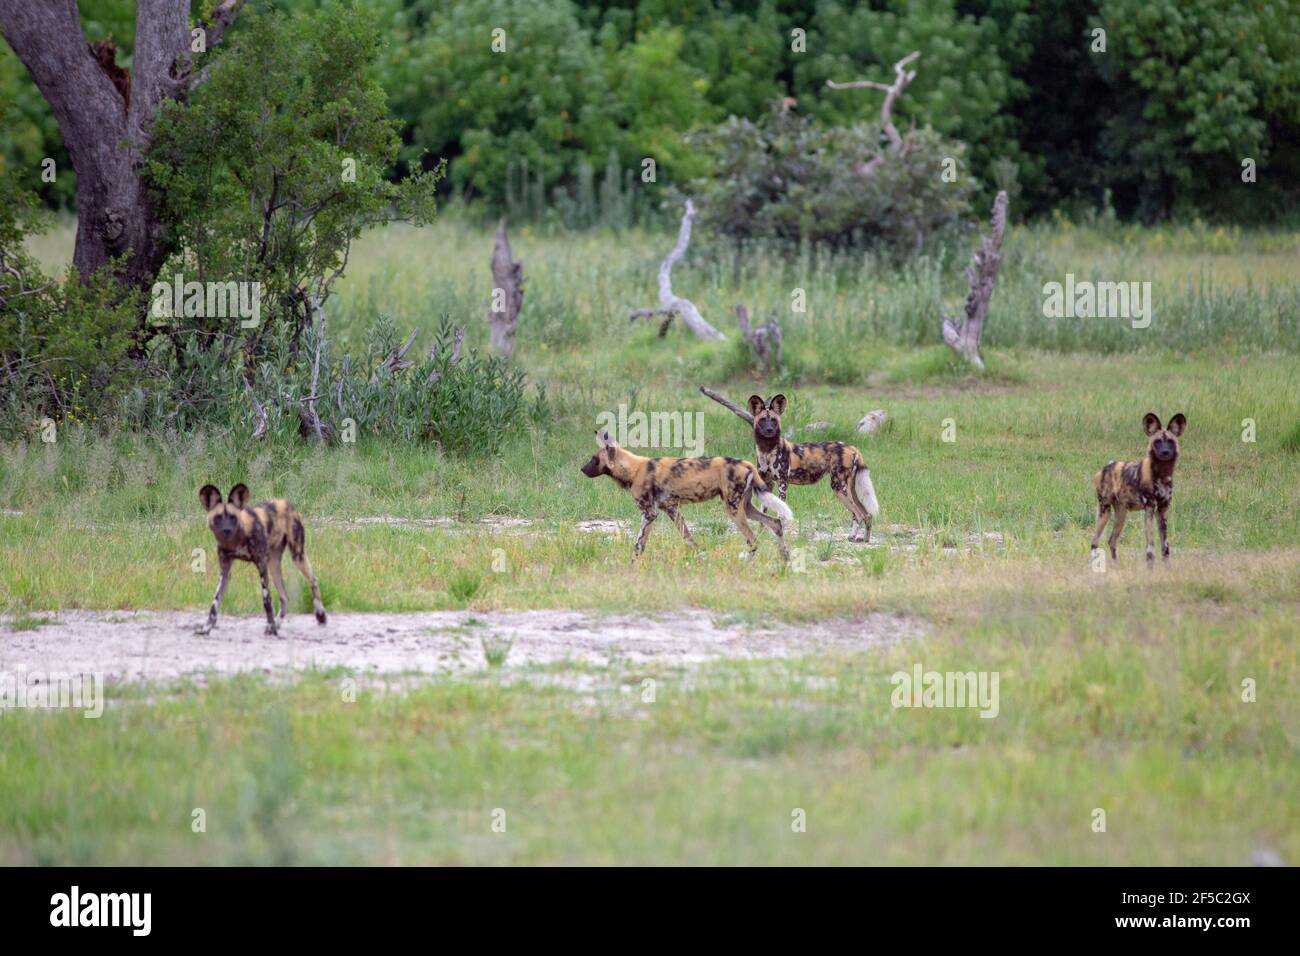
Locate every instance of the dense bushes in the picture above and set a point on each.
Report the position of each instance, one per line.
(261, 181)
(788, 178)
(63, 344)
(1183, 91)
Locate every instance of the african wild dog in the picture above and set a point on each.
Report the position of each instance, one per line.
(781, 463)
(1125, 486)
(661, 484)
(258, 535)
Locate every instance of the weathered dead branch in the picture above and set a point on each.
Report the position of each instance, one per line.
(396, 359)
(674, 305)
(964, 339)
(727, 404)
(902, 78)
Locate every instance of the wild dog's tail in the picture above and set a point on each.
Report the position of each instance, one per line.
(770, 501)
(865, 491)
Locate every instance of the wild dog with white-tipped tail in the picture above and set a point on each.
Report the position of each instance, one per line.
(782, 463)
(662, 484)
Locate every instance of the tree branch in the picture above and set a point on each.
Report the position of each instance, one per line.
(727, 403)
(668, 302)
(902, 77)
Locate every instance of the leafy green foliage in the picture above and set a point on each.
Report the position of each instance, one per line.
(63, 343)
(1200, 87)
(278, 163)
(789, 179)
(963, 87)
(467, 406)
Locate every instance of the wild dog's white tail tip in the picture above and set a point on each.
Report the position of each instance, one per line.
(772, 503)
(866, 493)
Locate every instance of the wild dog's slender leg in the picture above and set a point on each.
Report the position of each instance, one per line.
(737, 515)
(266, 599)
(1121, 515)
(226, 562)
(647, 519)
(1164, 532)
(842, 492)
(676, 516)
(297, 551)
(303, 565)
(1103, 516)
(772, 523)
(1151, 540)
(278, 577)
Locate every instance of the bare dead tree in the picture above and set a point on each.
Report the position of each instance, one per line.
(674, 305)
(106, 129)
(764, 341)
(507, 294)
(964, 339)
(902, 77)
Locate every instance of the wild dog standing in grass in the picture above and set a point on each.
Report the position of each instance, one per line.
(661, 484)
(1124, 486)
(258, 535)
(782, 463)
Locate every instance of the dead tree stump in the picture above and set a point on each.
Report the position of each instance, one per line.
(964, 339)
(507, 294)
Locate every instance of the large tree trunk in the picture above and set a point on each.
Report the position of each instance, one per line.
(106, 137)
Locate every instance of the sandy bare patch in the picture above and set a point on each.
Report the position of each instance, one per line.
(138, 646)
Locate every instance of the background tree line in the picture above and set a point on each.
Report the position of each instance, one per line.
(1156, 125)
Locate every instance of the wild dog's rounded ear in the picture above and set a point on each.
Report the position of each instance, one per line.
(1151, 423)
(756, 404)
(238, 495)
(1177, 424)
(602, 437)
(777, 404)
(210, 496)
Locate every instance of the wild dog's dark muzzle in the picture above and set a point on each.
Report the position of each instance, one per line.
(767, 428)
(1164, 450)
(592, 468)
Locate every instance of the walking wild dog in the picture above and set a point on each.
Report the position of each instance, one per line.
(1124, 486)
(781, 463)
(258, 535)
(661, 484)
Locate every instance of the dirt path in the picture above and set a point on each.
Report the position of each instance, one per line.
(137, 646)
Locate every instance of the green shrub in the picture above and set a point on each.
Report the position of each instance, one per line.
(786, 178)
(63, 344)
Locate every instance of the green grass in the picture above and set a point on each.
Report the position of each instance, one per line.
(1120, 691)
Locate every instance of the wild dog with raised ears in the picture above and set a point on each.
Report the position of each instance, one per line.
(782, 463)
(1124, 486)
(662, 484)
(258, 535)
